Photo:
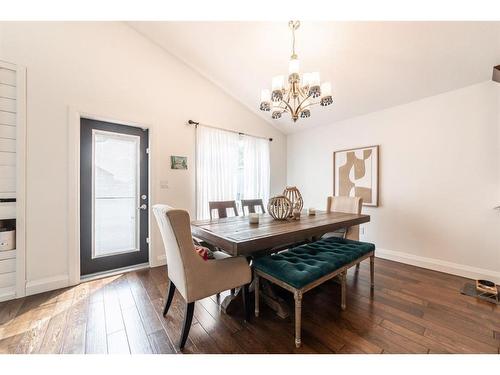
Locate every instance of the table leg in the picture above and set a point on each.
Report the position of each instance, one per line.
(267, 293)
(274, 301)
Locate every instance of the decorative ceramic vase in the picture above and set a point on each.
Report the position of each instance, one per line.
(293, 194)
(279, 207)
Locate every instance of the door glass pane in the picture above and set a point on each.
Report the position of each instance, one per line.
(116, 180)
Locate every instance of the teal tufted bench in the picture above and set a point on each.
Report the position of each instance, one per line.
(300, 269)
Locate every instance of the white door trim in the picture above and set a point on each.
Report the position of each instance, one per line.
(74, 116)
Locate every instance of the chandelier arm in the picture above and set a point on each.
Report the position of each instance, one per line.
(289, 107)
(302, 102)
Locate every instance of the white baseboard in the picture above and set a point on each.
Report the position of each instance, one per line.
(7, 293)
(439, 265)
(47, 283)
(161, 260)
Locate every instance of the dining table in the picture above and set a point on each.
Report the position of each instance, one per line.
(236, 236)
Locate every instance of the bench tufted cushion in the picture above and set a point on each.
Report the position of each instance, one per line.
(301, 265)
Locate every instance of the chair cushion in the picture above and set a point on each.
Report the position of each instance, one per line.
(301, 265)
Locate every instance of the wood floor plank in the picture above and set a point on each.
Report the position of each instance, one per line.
(217, 330)
(54, 336)
(136, 335)
(160, 342)
(112, 310)
(203, 341)
(74, 338)
(146, 310)
(118, 343)
(96, 337)
(8, 310)
(410, 310)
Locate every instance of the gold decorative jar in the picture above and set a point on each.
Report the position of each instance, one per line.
(294, 196)
(280, 207)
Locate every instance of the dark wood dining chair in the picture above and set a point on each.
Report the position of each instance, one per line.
(251, 204)
(222, 207)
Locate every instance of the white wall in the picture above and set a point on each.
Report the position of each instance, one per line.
(439, 178)
(109, 70)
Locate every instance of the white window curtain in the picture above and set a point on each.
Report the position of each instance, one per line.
(230, 167)
(256, 168)
(217, 153)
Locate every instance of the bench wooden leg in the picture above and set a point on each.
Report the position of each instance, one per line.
(343, 279)
(372, 271)
(298, 311)
(256, 287)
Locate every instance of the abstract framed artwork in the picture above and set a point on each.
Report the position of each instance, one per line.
(355, 174)
(178, 162)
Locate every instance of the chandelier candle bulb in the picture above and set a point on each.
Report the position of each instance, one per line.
(326, 89)
(265, 96)
(306, 79)
(315, 79)
(293, 66)
(278, 83)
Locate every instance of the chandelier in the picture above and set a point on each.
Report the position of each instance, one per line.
(301, 92)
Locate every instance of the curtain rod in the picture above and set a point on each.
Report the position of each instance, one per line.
(195, 123)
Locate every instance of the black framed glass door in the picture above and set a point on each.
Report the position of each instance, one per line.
(114, 219)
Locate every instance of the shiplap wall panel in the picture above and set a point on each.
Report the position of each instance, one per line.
(7, 172)
(7, 105)
(7, 210)
(7, 254)
(8, 132)
(8, 76)
(8, 186)
(7, 279)
(8, 121)
(7, 118)
(7, 91)
(7, 266)
(7, 158)
(8, 195)
(7, 145)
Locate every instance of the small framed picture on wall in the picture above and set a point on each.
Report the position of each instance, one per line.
(355, 174)
(178, 162)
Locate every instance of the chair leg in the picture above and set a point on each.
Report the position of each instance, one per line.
(188, 318)
(372, 271)
(169, 297)
(245, 302)
(298, 311)
(343, 278)
(257, 289)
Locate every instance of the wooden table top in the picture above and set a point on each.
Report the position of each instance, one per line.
(236, 236)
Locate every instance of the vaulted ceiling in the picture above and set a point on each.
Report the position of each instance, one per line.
(372, 65)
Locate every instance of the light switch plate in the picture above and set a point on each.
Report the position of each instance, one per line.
(164, 184)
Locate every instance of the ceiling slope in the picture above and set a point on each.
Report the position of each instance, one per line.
(372, 65)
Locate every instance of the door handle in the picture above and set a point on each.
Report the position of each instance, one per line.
(143, 206)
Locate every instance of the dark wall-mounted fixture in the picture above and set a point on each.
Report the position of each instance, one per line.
(496, 73)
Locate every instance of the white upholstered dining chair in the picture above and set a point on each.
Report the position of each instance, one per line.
(350, 205)
(192, 276)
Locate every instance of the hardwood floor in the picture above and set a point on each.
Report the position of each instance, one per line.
(412, 310)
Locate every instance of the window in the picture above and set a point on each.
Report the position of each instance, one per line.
(230, 166)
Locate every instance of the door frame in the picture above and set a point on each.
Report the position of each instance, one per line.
(74, 117)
